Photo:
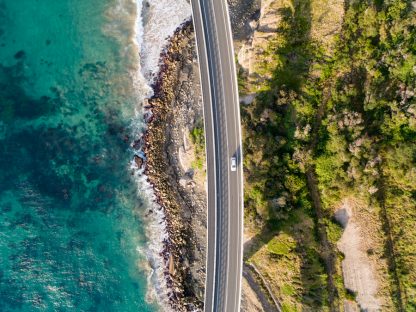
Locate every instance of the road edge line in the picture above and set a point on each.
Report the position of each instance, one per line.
(206, 151)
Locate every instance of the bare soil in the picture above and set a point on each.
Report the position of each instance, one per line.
(364, 268)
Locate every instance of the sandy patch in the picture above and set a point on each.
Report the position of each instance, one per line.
(359, 270)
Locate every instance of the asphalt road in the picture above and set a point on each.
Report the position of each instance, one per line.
(223, 141)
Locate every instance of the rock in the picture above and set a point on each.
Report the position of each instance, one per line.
(171, 265)
(138, 143)
(262, 31)
(249, 98)
(242, 13)
(183, 182)
(139, 161)
(174, 106)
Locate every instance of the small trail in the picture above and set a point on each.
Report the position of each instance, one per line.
(327, 251)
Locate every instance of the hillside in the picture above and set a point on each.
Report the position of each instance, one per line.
(329, 118)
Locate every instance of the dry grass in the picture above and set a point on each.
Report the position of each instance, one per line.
(288, 260)
(326, 20)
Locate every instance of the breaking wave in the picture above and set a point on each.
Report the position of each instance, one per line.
(142, 28)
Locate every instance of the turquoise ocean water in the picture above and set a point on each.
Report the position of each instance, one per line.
(70, 217)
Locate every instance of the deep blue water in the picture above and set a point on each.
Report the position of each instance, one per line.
(70, 227)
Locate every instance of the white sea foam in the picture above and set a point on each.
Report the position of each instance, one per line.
(156, 21)
(142, 28)
(154, 219)
(160, 19)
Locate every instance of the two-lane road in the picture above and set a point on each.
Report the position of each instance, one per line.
(223, 141)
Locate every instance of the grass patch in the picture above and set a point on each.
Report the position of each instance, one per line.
(288, 290)
(333, 230)
(287, 307)
(281, 245)
(198, 140)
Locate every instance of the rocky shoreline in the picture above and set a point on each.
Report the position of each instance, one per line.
(171, 113)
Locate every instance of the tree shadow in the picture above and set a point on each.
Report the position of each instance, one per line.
(270, 124)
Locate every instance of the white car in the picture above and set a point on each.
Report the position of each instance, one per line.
(233, 164)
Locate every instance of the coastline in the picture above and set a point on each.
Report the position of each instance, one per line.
(161, 166)
(182, 205)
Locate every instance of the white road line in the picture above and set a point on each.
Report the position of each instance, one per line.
(218, 105)
(216, 134)
(227, 155)
(221, 87)
(206, 140)
(237, 132)
(241, 195)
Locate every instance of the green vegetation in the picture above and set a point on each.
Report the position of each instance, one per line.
(198, 140)
(281, 245)
(333, 231)
(326, 125)
(351, 295)
(286, 307)
(288, 256)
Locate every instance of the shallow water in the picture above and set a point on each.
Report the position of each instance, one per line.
(71, 228)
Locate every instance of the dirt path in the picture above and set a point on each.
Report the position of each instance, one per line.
(327, 252)
(327, 249)
(359, 270)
